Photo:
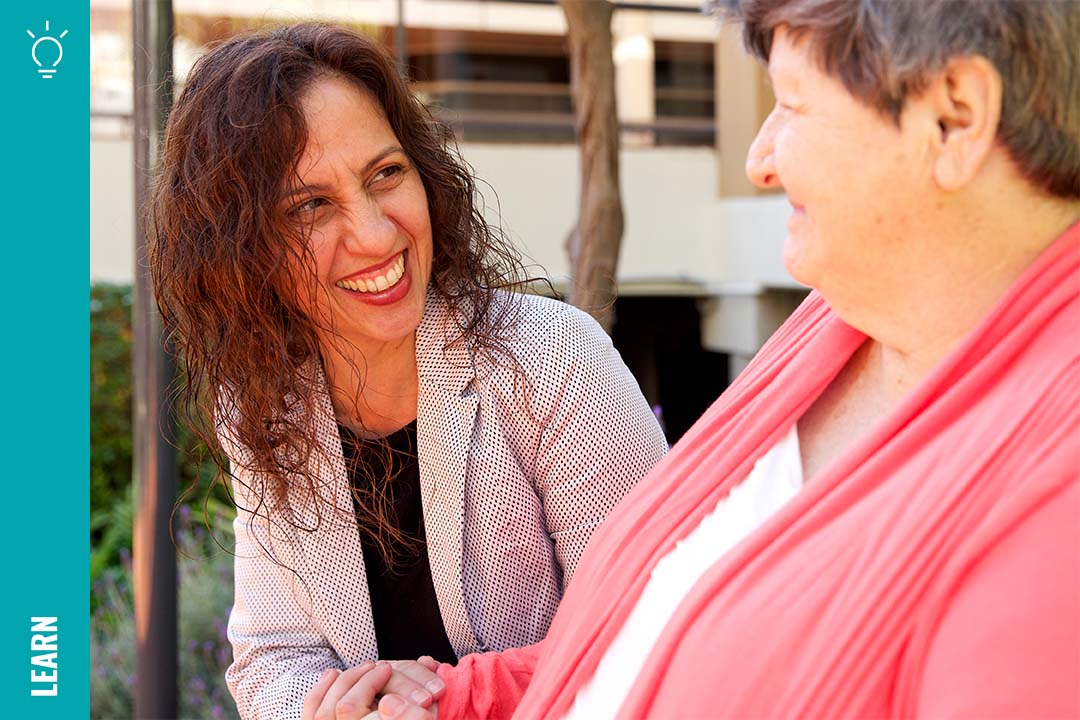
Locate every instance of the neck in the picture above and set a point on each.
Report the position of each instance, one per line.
(921, 311)
(373, 388)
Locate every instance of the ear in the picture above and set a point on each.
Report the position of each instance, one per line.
(965, 97)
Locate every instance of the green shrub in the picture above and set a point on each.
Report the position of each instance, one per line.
(111, 493)
(205, 577)
(110, 398)
(204, 570)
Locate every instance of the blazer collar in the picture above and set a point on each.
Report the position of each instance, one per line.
(446, 413)
(447, 406)
(444, 357)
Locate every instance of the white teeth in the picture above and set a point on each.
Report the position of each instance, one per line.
(380, 283)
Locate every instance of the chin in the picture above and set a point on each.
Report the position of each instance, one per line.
(797, 263)
(383, 336)
(386, 326)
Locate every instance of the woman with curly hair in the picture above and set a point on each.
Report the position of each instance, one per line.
(418, 455)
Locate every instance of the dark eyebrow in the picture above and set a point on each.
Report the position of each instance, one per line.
(315, 189)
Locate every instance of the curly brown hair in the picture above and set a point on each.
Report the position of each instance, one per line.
(224, 256)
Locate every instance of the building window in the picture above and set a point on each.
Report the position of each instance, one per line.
(685, 91)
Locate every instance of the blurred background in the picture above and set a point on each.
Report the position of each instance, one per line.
(700, 280)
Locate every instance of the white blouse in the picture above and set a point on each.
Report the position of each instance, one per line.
(774, 480)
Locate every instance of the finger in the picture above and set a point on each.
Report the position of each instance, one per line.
(314, 697)
(395, 707)
(360, 698)
(328, 707)
(429, 662)
(415, 682)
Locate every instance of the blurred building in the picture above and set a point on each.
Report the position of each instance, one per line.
(701, 280)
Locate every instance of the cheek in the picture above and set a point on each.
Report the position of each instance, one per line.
(422, 229)
(311, 271)
(792, 168)
(421, 212)
(322, 253)
(316, 269)
(415, 217)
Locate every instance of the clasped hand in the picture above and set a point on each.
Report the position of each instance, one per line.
(409, 690)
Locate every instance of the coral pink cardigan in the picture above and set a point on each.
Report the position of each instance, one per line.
(933, 569)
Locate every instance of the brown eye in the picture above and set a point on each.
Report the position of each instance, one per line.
(390, 171)
(308, 207)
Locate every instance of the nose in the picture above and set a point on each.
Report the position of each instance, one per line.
(370, 232)
(760, 160)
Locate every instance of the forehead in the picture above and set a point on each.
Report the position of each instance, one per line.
(789, 57)
(342, 118)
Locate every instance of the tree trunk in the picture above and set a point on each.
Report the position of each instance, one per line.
(593, 246)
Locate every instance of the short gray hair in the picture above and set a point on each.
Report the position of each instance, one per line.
(885, 50)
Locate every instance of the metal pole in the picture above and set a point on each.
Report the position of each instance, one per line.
(155, 458)
(399, 38)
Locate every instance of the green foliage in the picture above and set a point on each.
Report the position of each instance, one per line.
(112, 645)
(110, 398)
(111, 439)
(205, 577)
(112, 524)
(204, 569)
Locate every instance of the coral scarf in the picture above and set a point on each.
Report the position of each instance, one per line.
(960, 506)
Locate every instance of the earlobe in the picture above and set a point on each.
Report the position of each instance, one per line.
(966, 96)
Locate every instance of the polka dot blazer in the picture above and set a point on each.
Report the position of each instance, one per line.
(514, 476)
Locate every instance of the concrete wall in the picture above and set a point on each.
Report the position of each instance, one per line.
(680, 238)
(112, 201)
(444, 14)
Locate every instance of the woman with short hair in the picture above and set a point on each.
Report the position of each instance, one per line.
(879, 517)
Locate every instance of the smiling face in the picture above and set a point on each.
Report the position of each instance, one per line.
(365, 207)
(857, 183)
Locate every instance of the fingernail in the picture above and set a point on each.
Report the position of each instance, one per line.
(420, 697)
(435, 686)
(391, 705)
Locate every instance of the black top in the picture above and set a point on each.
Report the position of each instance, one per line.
(403, 602)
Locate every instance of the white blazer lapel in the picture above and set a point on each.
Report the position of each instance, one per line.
(337, 577)
(446, 415)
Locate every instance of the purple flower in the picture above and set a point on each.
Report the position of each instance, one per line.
(658, 412)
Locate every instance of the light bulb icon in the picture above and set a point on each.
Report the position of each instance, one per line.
(46, 70)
